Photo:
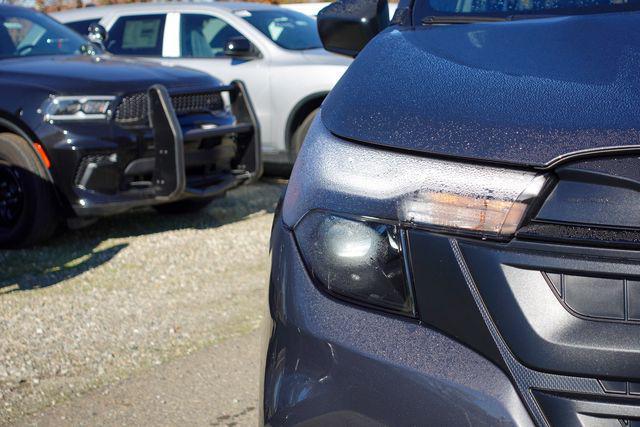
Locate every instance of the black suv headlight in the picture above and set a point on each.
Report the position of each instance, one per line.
(375, 194)
(77, 108)
(358, 259)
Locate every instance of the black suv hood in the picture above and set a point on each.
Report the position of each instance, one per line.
(528, 92)
(102, 75)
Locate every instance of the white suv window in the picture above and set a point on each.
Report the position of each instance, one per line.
(204, 36)
(139, 35)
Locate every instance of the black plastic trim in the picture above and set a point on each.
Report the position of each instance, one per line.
(443, 297)
(580, 235)
(538, 329)
(586, 411)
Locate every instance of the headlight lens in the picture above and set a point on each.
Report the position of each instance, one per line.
(357, 259)
(417, 191)
(58, 108)
(485, 212)
(362, 259)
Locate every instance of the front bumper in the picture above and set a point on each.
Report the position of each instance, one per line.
(556, 312)
(328, 363)
(103, 169)
(493, 343)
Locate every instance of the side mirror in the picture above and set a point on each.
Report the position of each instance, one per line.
(239, 47)
(346, 26)
(97, 34)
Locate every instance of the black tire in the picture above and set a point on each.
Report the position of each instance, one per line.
(28, 208)
(183, 206)
(300, 133)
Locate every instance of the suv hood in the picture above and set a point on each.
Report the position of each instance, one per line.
(99, 75)
(530, 92)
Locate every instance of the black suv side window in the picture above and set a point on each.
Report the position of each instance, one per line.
(82, 27)
(204, 36)
(139, 35)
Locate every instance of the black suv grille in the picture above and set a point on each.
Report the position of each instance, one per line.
(134, 109)
(196, 102)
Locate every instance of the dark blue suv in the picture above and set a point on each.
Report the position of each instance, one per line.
(459, 243)
(84, 134)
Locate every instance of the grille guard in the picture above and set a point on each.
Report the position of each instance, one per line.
(169, 174)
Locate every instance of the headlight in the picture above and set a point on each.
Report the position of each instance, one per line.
(357, 259)
(58, 108)
(362, 259)
(486, 212)
(414, 190)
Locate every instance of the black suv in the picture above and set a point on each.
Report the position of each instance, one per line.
(459, 243)
(84, 135)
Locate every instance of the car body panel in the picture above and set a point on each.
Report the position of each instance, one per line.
(329, 364)
(432, 131)
(490, 91)
(501, 298)
(97, 75)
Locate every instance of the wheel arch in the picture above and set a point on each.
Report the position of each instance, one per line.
(300, 111)
(11, 124)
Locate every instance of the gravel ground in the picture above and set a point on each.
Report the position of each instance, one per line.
(215, 386)
(99, 305)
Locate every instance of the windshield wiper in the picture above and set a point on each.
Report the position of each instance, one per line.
(460, 19)
(471, 19)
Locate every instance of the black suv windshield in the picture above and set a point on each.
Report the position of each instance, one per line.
(288, 29)
(27, 33)
(519, 8)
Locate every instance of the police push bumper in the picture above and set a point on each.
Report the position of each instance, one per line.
(233, 159)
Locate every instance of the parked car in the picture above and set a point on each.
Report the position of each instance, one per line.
(275, 51)
(312, 8)
(84, 135)
(459, 243)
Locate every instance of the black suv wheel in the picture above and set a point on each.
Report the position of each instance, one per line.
(28, 213)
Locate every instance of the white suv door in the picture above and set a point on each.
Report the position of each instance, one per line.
(197, 40)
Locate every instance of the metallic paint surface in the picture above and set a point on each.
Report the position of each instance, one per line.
(330, 362)
(525, 378)
(334, 174)
(493, 91)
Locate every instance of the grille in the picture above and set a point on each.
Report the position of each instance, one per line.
(82, 167)
(134, 109)
(196, 102)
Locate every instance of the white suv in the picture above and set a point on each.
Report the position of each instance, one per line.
(277, 53)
